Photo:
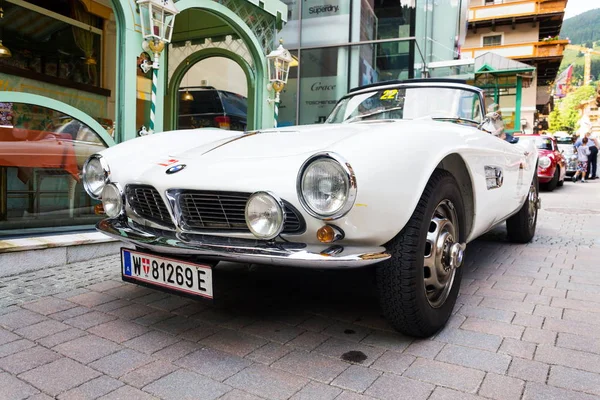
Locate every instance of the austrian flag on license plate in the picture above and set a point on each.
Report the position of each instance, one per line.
(173, 274)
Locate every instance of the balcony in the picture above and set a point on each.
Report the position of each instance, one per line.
(516, 9)
(523, 51)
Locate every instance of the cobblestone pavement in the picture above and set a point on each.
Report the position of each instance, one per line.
(526, 326)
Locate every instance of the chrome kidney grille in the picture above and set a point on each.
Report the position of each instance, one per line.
(201, 210)
(146, 202)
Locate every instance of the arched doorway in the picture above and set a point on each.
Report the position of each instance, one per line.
(204, 61)
(205, 29)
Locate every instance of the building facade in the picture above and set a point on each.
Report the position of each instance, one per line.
(522, 30)
(73, 84)
(342, 44)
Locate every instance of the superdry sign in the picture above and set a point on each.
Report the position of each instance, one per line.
(328, 8)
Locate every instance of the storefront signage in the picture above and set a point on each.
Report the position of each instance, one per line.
(323, 9)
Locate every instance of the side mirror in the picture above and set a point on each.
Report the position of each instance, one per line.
(486, 120)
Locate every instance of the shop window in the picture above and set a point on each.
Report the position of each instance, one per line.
(325, 23)
(388, 19)
(323, 80)
(492, 40)
(60, 45)
(291, 30)
(42, 152)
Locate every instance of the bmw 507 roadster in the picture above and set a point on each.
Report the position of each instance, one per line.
(401, 177)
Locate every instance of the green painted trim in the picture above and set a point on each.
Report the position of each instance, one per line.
(263, 115)
(172, 103)
(518, 103)
(486, 69)
(19, 97)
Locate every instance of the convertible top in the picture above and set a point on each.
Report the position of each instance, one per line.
(405, 81)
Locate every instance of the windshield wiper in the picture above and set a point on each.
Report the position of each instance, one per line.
(360, 117)
(456, 119)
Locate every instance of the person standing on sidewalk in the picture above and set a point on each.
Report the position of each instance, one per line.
(582, 160)
(593, 157)
(585, 130)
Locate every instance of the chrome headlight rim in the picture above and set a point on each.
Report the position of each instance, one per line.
(120, 196)
(350, 193)
(106, 170)
(545, 162)
(281, 211)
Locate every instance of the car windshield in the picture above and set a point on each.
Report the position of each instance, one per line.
(564, 140)
(542, 143)
(409, 102)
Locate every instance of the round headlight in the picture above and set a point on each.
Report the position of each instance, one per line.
(327, 186)
(95, 175)
(264, 215)
(544, 162)
(112, 200)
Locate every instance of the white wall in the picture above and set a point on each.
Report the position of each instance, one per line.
(220, 72)
(523, 33)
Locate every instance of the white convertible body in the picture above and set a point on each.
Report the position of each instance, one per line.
(392, 162)
(393, 182)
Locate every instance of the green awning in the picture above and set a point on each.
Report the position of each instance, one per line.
(492, 63)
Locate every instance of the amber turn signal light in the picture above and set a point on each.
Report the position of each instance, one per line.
(325, 234)
(329, 234)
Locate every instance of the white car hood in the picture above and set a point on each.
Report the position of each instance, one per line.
(282, 142)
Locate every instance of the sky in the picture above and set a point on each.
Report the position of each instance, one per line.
(575, 7)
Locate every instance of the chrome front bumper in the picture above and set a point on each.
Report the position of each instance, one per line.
(243, 250)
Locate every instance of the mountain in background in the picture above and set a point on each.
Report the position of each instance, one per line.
(582, 28)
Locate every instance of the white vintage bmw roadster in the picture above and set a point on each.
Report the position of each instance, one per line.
(401, 176)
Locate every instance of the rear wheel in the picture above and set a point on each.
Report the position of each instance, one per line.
(521, 226)
(419, 284)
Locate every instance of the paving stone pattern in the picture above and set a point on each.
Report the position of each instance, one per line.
(526, 326)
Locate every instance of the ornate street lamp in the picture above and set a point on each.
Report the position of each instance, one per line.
(278, 67)
(157, 18)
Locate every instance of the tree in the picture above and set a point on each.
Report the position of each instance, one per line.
(565, 116)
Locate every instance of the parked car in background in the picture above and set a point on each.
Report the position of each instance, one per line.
(552, 165)
(565, 146)
(401, 176)
(212, 108)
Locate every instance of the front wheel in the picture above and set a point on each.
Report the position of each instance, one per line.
(550, 186)
(419, 284)
(521, 226)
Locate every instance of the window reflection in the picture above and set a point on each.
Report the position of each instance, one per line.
(42, 152)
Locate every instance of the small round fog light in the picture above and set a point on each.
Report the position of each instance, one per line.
(264, 215)
(112, 200)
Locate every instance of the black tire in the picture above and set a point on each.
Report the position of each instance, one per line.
(401, 279)
(521, 226)
(550, 186)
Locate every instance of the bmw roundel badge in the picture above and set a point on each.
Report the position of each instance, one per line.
(175, 168)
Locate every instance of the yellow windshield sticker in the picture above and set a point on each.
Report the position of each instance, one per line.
(389, 94)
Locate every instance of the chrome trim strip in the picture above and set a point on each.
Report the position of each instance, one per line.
(244, 250)
(352, 187)
(106, 169)
(496, 180)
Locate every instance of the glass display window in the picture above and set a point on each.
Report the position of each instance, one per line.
(42, 152)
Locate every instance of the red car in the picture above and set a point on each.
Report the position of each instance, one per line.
(552, 164)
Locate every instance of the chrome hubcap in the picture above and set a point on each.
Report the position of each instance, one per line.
(443, 254)
(533, 205)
